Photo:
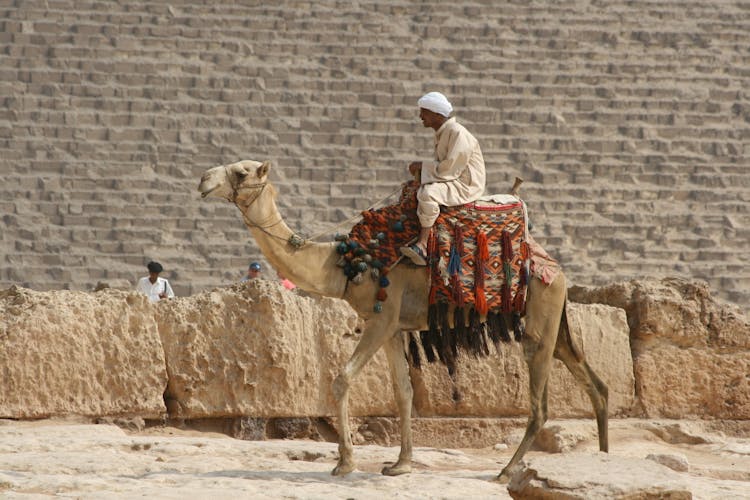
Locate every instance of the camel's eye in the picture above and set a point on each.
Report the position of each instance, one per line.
(241, 174)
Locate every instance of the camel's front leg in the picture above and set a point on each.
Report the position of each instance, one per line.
(377, 331)
(404, 394)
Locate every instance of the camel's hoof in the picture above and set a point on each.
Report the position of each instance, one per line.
(342, 469)
(503, 478)
(507, 473)
(396, 470)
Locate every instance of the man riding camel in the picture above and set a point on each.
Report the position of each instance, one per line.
(456, 177)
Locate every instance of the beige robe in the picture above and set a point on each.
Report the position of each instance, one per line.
(456, 177)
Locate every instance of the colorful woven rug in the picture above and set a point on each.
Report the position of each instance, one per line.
(479, 269)
(479, 265)
(372, 246)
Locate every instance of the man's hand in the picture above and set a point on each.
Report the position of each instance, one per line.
(415, 168)
(162, 295)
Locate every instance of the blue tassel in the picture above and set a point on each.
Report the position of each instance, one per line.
(384, 282)
(454, 263)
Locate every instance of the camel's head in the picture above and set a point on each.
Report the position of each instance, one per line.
(227, 181)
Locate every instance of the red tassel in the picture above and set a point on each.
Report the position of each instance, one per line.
(459, 240)
(458, 293)
(507, 246)
(381, 295)
(525, 252)
(480, 301)
(483, 250)
(479, 275)
(506, 300)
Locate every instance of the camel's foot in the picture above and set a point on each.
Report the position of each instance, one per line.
(397, 469)
(343, 468)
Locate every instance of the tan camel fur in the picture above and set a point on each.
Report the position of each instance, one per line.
(312, 266)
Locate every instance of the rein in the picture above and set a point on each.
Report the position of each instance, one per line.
(294, 240)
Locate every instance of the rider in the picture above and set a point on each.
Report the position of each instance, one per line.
(456, 177)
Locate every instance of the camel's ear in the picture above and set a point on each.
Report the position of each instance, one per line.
(263, 169)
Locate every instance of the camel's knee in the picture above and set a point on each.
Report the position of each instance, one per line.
(340, 387)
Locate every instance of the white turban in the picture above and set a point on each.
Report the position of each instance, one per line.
(437, 102)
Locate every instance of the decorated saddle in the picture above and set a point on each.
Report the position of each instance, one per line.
(479, 264)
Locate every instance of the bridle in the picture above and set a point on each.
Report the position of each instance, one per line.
(294, 240)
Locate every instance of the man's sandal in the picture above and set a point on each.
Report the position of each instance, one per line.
(416, 255)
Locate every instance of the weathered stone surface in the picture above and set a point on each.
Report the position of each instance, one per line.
(691, 353)
(78, 353)
(498, 385)
(559, 437)
(257, 349)
(675, 461)
(599, 476)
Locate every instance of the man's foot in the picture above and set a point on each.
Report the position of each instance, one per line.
(416, 254)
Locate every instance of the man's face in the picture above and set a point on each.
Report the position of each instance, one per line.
(253, 273)
(430, 119)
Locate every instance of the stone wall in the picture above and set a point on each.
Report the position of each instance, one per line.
(258, 350)
(628, 120)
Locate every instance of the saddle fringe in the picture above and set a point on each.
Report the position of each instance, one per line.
(452, 330)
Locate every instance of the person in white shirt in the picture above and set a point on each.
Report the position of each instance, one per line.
(455, 177)
(154, 287)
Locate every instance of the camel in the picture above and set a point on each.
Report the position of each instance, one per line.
(312, 266)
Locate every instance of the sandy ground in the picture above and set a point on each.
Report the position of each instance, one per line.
(79, 460)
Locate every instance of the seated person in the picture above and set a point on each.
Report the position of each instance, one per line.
(456, 177)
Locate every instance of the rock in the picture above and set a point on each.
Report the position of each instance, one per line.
(497, 385)
(559, 438)
(258, 350)
(679, 432)
(249, 429)
(676, 462)
(78, 353)
(690, 352)
(133, 424)
(599, 476)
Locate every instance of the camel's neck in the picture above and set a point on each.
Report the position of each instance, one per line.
(311, 267)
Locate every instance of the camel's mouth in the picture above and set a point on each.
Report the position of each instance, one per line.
(207, 186)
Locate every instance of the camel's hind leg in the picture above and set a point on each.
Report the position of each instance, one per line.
(585, 376)
(404, 394)
(377, 331)
(543, 314)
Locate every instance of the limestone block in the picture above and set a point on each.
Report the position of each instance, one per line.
(691, 353)
(498, 384)
(259, 350)
(77, 353)
(602, 476)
